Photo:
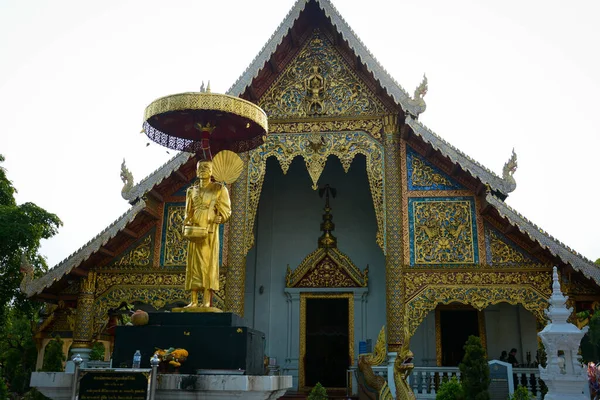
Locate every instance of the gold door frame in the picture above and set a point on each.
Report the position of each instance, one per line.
(438, 328)
(312, 295)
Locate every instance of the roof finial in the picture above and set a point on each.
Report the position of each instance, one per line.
(417, 102)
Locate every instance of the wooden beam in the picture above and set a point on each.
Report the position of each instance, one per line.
(405, 132)
(103, 250)
(78, 272)
(293, 38)
(480, 188)
(274, 67)
(486, 208)
(130, 233)
(252, 93)
(150, 212)
(536, 249)
(156, 195)
(180, 175)
(455, 169)
(47, 296)
(508, 229)
(429, 151)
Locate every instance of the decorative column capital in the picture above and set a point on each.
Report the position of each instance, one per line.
(88, 283)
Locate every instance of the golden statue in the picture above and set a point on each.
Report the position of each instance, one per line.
(207, 205)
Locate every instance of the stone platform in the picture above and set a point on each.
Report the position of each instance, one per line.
(57, 386)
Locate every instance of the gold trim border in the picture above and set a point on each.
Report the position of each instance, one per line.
(308, 295)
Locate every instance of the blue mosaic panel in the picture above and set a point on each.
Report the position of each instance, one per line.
(424, 176)
(442, 231)
(173, 249)
(504, 252)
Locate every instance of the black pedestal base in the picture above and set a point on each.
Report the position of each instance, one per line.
(213, 341)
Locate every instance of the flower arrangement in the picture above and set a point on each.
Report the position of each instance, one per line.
(171, 357)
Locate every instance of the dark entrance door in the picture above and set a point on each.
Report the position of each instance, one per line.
(326, 358)
(456, 327)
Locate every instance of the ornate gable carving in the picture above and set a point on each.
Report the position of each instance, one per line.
(326, 268)
(424, 176)
(501, 252)
(137, 255)
(318, 83)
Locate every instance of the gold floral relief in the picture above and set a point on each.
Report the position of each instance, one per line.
(479, 297)
(503, 253)
(425, 176)
(175, 246)
(106, 281)
(371, 125)
(315, 151)
(141, 255)
(443, 232)
(536, 276)
(319, 83)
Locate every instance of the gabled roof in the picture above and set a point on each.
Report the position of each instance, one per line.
(498, 185)
(545, 240)
(386, 81)
(456, 156)
(75, 259)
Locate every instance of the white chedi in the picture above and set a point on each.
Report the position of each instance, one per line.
(564, 375)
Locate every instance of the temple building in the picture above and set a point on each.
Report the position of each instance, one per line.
(351, 216)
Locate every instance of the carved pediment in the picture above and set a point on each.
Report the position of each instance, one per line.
(319, 83)
(326, 268)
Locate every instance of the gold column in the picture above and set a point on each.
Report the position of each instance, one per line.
(236, 259)
(84, 319)
(394, 275)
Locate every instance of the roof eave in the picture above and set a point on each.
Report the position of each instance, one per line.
(556, 248)
(38, 285)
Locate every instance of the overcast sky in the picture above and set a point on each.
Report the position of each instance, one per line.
(76, 76)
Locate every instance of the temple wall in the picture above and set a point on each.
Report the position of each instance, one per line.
(422, 344)
(288, 220)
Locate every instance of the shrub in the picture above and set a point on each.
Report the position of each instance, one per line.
(97, 353)
(521, 394)
(450, 390)
(54, 356)
(475, 372)
(318, 393)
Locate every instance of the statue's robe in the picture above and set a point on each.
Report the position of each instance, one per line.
(202, 206)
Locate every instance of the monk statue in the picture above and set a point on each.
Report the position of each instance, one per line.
(207, 205)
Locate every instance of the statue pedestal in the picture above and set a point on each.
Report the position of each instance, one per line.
(214, 341)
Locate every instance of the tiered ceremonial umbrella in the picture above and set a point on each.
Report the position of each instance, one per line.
(205, 123)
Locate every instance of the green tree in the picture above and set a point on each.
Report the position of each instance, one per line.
(597, 262)
(475, 373)
(18, 352)
(22, 227)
